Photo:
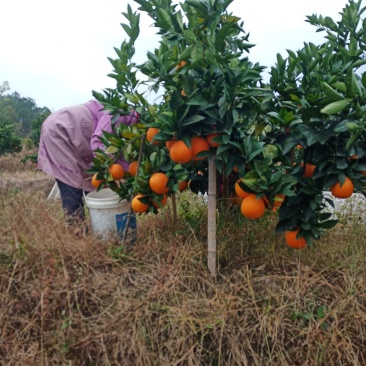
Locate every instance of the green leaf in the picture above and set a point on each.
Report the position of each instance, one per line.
(179, 20)
(186, 54)
(221, 149)
(112, 150)
(127, 29)
(363, 78)
(254, 153)
(341, 127)
(329, 224)
(199, 6)
(132, 98)
(290, 143)
(353, 127)
(270, 152)
(200, 101)
(263, 170)
(330, 92)
(192, 120)
(251, 179)
(164, 18)
(356, 90)
(341, 164)
(335, 107)
(197, 52)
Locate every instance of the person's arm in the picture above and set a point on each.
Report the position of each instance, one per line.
(103, 124)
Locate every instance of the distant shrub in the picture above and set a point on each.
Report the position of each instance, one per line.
(9, 141)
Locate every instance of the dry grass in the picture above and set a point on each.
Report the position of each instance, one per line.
(16, 175)
(67, 299)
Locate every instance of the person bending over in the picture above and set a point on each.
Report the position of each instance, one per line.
(66, 150)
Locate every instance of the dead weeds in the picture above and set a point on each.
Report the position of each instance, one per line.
(70, 299)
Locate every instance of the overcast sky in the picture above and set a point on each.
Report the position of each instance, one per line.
(55, 52)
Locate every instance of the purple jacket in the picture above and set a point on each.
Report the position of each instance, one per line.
(68, 140)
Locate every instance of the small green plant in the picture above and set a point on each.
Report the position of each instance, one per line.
(312, 312)
(31, 157)
(192, 210)
(117, 252)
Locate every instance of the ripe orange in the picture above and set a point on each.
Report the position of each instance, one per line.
(180, 152)
(132, 169)
(309, 170)
(117, 171)
(252, 208)
(162, 202)
(183, 93)
(211, 136)
(137, 205)
(169, 144)
(344, 191)
(96, 182)
(181, 64)
(183, 185)
(158, 182)
(294, 242)
(151, 132)
(240, 192)
(199, 144)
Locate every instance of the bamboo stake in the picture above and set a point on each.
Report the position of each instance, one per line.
(130, 213)
(211, 237)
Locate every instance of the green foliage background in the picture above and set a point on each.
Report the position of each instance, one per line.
(20, 118)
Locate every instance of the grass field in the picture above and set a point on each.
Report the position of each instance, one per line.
(71, 299)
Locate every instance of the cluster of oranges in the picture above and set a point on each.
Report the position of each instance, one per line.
(179, 153)
(338, 190)
(158, 184)
(251, 206)
(178, 150)
(117, 172)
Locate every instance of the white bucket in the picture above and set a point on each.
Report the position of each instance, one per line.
(108, 215)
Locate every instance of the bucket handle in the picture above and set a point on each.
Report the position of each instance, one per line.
(84, 195)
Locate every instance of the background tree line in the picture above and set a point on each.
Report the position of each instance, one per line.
(20, 120)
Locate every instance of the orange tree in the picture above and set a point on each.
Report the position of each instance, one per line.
(320, 106)
(265, 136)
(186, 62)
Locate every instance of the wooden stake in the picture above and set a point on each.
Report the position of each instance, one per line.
(130, 213)
(211, 237)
